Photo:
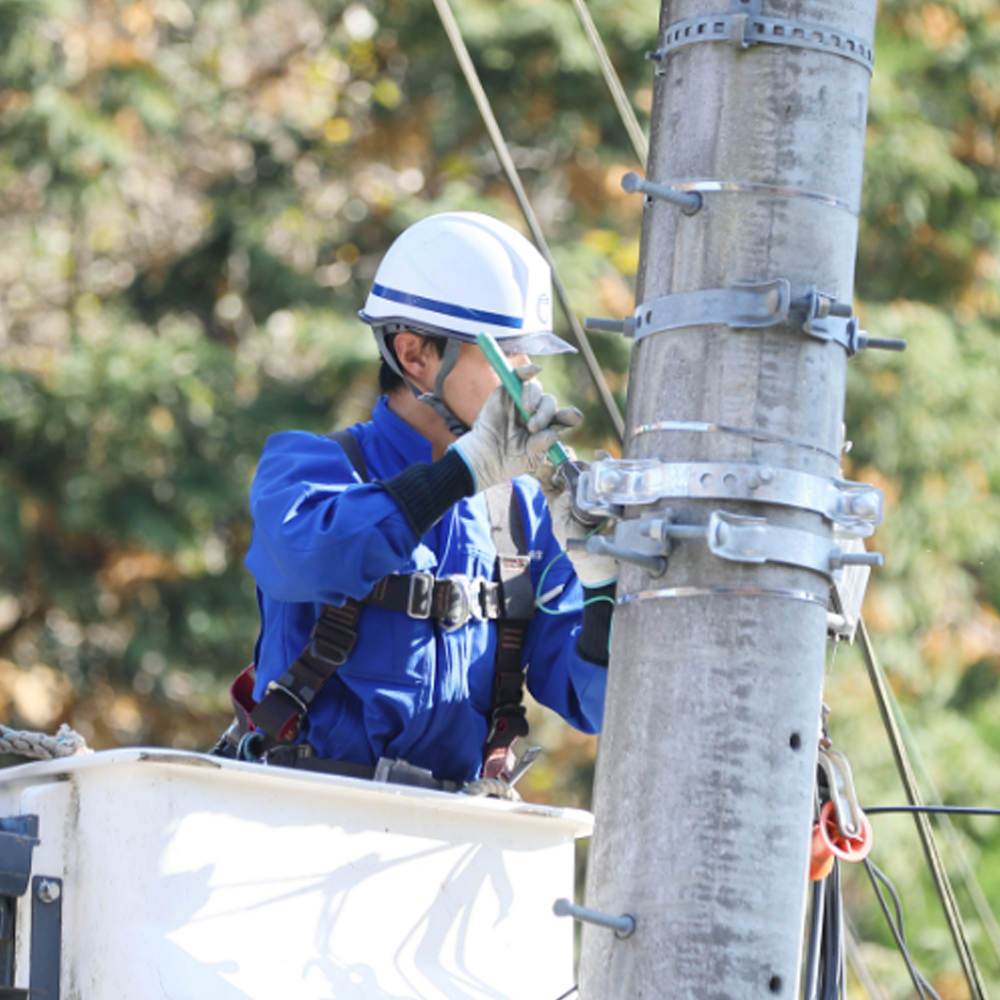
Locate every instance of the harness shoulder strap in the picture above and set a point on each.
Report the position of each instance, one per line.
(507, 719)
(282, 709)
(352, 449)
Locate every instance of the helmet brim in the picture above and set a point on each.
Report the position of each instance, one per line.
(535, 344)
(538, 344)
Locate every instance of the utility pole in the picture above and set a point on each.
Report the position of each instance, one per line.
(742, 334)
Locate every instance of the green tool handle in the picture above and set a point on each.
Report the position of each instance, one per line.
(510, 381)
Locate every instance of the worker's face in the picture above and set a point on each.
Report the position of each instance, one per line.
(471, 381)
(467, 385)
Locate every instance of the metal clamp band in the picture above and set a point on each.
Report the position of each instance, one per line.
(746, 187)
(736, 538)
(674, 593)
(856, 507)
(750, 305)
(744, 31)
(747, 305)
(700, 427)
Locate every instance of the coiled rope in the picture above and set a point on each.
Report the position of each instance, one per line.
(40, 746)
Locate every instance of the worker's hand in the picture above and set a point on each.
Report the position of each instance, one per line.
(501, 445)
(592, 570)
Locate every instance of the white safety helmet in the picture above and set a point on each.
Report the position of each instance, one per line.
(456, 275)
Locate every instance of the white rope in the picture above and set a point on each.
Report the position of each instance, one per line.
(40, 746)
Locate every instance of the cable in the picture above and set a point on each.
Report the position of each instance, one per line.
(922, 986)
(965, 869)
(454, 33)
(569, 992)
(951, 810)
(832, 980)
(545, 572)
(973, 976)
(639, 145)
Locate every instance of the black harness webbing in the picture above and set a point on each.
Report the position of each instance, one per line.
(507, 719)
(509, 599)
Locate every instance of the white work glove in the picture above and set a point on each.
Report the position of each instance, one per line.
(591, 570)
(500, 445)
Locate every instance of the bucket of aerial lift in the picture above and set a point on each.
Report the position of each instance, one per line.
(161, 874)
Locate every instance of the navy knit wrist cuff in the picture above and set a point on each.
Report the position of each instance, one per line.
(425, 492)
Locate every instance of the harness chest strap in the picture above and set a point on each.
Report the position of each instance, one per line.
(451, 600)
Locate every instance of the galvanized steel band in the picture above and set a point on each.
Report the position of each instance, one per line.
(745, 30)
(674, 593)
(699, 427)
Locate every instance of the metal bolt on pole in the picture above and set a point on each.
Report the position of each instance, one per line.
(707, 764)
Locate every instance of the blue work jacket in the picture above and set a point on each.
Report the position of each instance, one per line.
(409, 689)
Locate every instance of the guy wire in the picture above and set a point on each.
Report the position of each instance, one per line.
(454, 33)
(639, 145)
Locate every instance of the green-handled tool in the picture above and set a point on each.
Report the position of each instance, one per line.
(567, 473)
(497, 358)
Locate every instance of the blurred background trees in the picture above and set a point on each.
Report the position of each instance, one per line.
(195, 196)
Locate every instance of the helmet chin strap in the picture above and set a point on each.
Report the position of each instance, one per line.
(434, 398)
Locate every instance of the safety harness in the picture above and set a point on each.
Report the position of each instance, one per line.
(276, 720)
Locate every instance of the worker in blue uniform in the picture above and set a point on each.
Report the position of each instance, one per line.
(411, 516)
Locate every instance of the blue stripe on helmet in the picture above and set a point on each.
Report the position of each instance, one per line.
(447, 308)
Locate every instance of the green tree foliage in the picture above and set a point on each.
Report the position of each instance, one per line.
(195, 195)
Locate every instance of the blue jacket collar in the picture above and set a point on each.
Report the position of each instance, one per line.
(406, 444)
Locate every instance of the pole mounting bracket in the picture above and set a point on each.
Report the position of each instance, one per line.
(746, 30)
(648, 542)
(754, 305)
(855, 508)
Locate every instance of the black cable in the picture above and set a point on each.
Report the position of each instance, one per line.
(831, 978)
(953, 810)
(924, 989)
(814, 941)
(573, 989)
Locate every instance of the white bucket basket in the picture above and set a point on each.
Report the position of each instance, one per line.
(163, 874)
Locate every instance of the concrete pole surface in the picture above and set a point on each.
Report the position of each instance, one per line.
(706, 767)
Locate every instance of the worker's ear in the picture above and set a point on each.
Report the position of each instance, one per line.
(417, 358)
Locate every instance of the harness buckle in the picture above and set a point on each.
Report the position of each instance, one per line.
(465, 600)
(459, 606)
(420, 601)
(301, 705)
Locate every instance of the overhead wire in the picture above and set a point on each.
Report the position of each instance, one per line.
(932, 810)
(455, 37)
(636, 136)
(953, 916)
(965, 869)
